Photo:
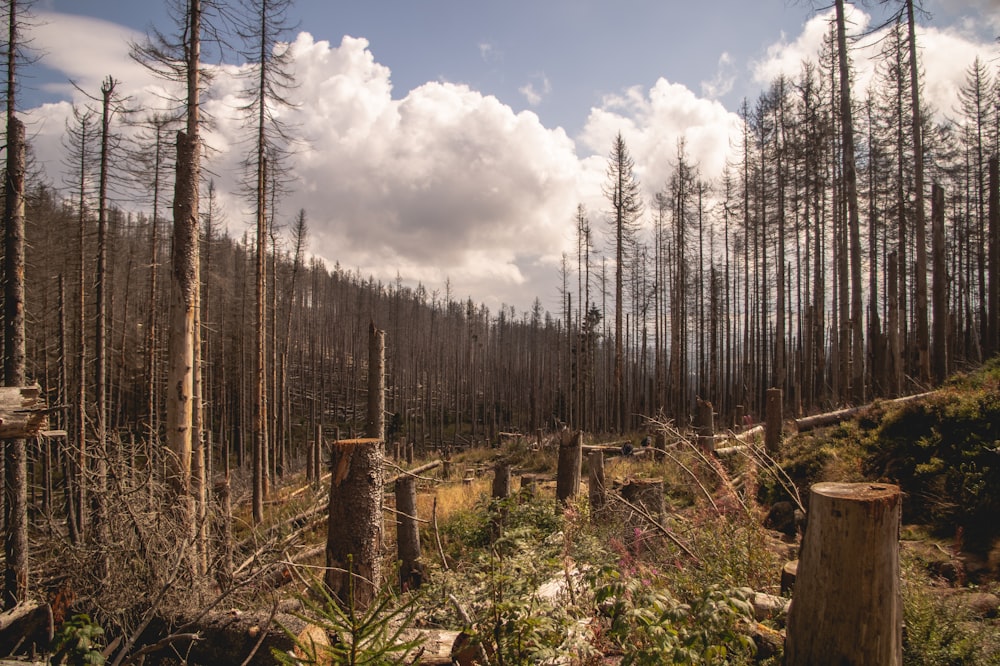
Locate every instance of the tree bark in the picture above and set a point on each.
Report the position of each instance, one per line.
(993, 335)
(354, 533)
(772, 421)
(920, 306)
(408, 534)
(597, 491)
(570, 462)
(375, 424)
(15, 451)
(706, 425)
(939, 289)
(857, 375)
(847, 607)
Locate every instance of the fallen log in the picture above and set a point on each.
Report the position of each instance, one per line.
(841, 415)
(415, 471)
(26, 627)
(745, 438)
(225, 637)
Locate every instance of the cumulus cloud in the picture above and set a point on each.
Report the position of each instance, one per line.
(947, 54)
(654, 122)
(446, 182)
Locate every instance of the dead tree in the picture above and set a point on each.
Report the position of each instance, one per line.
(15, 451)
(939, 288)
(847, 607)
(375, 424)
(772, 421)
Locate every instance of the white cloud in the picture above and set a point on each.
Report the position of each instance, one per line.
(722, 83)
(653, 122)
(86, 50)
(447, 182)
(534, 96)
(945, 56)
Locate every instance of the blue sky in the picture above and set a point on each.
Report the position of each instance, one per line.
(452, 140)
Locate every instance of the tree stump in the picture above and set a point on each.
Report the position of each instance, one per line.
(570, 462)
(597, 491)
(501, 480)
(408, 534)
(788, 574)
(705, 426)
(846, 607)
(354, 533)
(647, 494)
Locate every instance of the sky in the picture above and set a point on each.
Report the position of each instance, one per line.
(449, 142)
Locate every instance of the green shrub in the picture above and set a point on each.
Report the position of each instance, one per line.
(945, 454)
(79, 642)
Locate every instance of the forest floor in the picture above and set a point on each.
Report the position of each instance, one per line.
(696, 580)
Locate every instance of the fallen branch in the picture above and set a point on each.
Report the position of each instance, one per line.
(415, 471)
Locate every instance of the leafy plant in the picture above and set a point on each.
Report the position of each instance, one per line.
(79, 642)
(939, 632)
(648, 625)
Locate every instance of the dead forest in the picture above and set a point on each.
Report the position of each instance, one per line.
(850, 252)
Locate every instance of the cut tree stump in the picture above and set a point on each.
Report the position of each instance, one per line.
(646, 494)
(570, 463)
(354, 533)
(846, 608)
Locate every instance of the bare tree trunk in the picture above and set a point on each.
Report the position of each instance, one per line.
(101, 535)
(920, 307)
(375, 424)
(853, 218)
(993, 341)
(772, 424)
(260, 423)
(408, 534)
(940, 286)
(15, 452)
(895, 372)
(847, 607)
(597, 491)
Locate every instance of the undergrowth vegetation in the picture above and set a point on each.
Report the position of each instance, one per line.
(530, 582)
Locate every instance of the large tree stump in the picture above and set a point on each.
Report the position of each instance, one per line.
(501, 480)
(846, 606)
(408, 534)
(354, 533)
(570, 462)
